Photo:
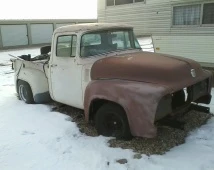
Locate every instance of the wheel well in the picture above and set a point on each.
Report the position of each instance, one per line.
(96, 104)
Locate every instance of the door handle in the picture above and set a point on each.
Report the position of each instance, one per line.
(53, 65)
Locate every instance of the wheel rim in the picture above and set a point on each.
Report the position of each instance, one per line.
(23, 93)
(113, 125)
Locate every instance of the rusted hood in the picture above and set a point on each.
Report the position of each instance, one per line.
(173, 72)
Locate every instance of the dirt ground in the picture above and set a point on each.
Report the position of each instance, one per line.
(166, 139)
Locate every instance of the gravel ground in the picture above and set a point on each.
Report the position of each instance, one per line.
(166, 139)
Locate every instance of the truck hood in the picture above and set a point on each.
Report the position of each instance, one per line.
(171, 71)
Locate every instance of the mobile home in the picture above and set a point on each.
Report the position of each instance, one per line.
(178, 27)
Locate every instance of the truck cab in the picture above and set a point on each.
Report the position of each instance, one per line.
(75, 49)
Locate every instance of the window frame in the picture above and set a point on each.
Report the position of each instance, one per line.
(57, 39)
(133, 3)
(201, 15)
(205, 25)
(183, 26)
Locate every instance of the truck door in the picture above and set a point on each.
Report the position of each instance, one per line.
(65, 73)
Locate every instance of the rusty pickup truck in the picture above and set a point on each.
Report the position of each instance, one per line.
(101, 69)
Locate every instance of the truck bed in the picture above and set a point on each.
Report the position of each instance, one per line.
(38, 65)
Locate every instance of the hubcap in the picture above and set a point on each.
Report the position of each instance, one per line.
(113, 124)
(23, 93)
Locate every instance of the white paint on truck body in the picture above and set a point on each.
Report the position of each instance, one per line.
(65, 78)
(65, 73)
(32, 73)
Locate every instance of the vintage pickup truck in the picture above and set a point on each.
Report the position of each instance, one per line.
(101, 68)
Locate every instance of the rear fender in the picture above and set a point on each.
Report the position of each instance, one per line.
(38, 83)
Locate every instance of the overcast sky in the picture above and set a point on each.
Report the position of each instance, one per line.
(48, 9)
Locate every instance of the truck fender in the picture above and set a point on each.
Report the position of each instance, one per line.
(138, 99)
(38, 83)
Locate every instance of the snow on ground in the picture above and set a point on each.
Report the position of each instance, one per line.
(34, 138)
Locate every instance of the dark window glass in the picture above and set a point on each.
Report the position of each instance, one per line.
(110, 2)
(121, 2)
(187, 15)
(139, 0)
(208, 14)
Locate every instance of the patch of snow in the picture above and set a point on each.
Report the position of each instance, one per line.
(32, 137)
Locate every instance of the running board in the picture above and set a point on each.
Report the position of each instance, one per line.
(172, 122)
(199, 108)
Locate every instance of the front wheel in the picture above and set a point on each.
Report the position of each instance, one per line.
(25, 92)
(111, 120)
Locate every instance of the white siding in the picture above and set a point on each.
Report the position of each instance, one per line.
(14, 35)
(155, 18)
(41, 33)
(199, 48)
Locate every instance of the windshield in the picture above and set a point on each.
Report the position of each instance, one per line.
(95, 43)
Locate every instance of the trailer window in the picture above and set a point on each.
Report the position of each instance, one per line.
(110, 2)
(66, 46)
(208, 13)
(121, 2)
(187, 15)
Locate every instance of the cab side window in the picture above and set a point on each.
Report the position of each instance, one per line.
(66, 46)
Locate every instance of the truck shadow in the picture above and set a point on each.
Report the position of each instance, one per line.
(167, 137)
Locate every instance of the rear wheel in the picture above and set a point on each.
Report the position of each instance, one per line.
(25, 92)
(111, 120)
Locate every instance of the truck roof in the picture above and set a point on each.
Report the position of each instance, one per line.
(89, 27)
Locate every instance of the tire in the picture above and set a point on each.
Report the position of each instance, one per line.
(111, 120)
(25, 92)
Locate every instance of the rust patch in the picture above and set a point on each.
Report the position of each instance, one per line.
(165, 70)
(139, 101)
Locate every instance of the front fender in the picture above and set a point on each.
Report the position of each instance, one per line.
(138, 99)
